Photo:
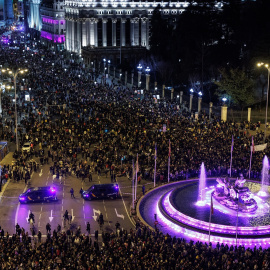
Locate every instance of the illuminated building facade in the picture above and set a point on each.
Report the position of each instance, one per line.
(6, 12)
(53, 23)
(34, 19)
(110, 23)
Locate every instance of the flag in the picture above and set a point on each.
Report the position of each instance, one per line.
(259, 147)
(212, 206)
(232, 144)
(253, 146)
(156, 151)
(137, 164)
(169, 148)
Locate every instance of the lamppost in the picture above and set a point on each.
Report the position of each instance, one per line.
(199, 101)
(104, 61)
(190, 99)
(224, 110)
(224, 100)
(2, 87)
(109, 64)
(14, 74)
(266, 108)
(139, 67)
(147, 76)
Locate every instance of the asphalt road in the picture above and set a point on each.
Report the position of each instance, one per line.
(82, 211)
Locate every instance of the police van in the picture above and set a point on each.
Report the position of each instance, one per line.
(103, 191)
(38, 194)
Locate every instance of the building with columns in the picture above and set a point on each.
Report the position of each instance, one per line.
(112, 25)
(53, 23)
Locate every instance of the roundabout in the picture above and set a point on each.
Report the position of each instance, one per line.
(180, 215)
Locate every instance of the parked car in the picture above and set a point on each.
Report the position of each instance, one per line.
(26, 147)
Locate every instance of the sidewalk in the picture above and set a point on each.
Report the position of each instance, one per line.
(5, 161)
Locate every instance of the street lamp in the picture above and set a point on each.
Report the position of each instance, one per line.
(268, 74)
(199, 101)
(14, 74)
(224, 100)
(139, 67)
(109, 63)
(190, 99)
(147, 76)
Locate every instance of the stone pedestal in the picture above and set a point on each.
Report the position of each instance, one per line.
(190, 102)
(199, 104)
(181, 97)
(249, 114)
(210, 110)
(224, 109)
(163, 90)
(147, 81)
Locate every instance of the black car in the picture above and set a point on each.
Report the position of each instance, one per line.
(38, 194)
(102, 191)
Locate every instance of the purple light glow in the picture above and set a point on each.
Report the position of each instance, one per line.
(51, 21)
(196, 236)
(217, 228)
(201, 193)
(175, 229)
(55, 38)
(265, 178)
(52, 190)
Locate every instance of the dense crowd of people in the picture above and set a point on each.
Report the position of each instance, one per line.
(140, 248)
(80, 123)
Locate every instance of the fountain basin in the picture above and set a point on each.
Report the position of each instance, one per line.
(181, 210)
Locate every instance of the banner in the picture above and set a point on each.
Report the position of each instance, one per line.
(259, 147)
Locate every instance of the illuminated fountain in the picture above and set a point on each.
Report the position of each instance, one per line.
(240, 216)
(265, 178)
(201, 192)
(235, 196)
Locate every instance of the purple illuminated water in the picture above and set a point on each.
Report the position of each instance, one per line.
(265, 178)
(201, 192)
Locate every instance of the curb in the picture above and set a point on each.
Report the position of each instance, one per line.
(3, 189)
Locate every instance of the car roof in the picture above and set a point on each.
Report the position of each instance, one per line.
(105, 185)
(38, 188)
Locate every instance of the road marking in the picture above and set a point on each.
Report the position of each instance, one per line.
(120, 216)
(72, 215)
(51, 217)
(28, 216)
(132, 222)
(94, 216)
(40, 216)
(40, 174)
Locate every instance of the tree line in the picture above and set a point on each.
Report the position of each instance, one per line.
(214, 47)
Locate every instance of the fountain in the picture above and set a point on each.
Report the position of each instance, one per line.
(265, 178)
(185, 208)
(201, 193)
